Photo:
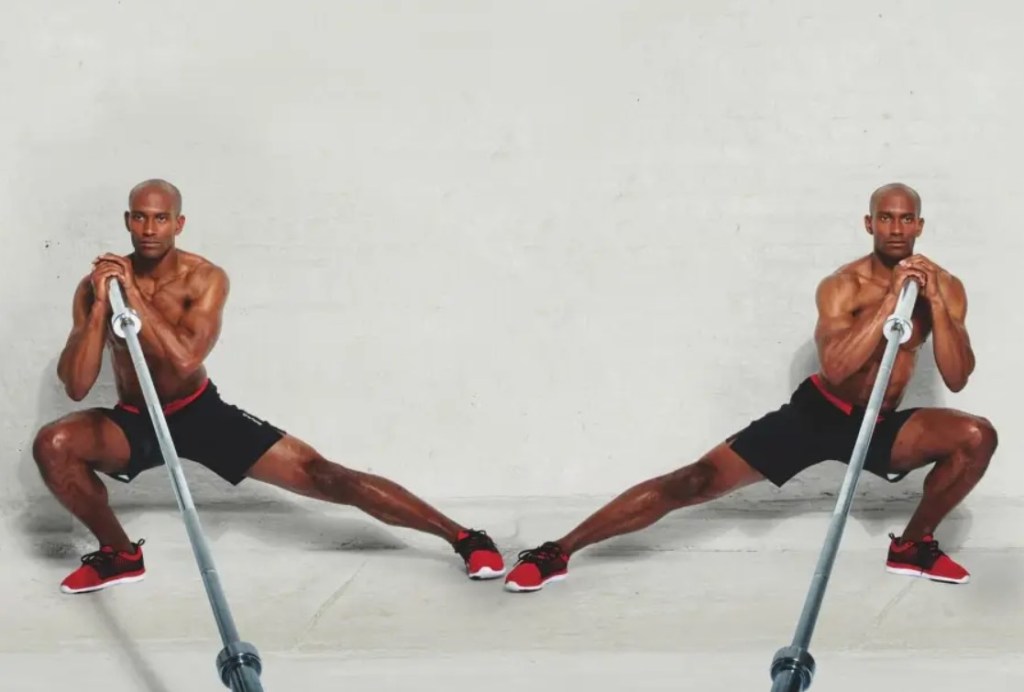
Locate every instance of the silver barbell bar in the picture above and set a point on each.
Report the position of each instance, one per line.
(238, 663)
(793, 666)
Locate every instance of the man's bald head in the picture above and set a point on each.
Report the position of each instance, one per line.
(154, 218)
(897, 188)
(157, 184)
(894, 221)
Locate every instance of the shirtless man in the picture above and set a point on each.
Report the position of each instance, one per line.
(180, 299)
(823, 417)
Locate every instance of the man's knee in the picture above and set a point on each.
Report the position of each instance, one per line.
(980, 435)
(979, 440)
(51, 447)
(56, 450)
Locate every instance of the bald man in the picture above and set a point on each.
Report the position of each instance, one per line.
(822, 418)
(180, 298)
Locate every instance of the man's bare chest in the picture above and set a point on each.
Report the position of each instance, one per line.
(171, 303)
(870, 299)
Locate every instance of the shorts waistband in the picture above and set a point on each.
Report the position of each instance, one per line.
(840, 403)
(172, 406)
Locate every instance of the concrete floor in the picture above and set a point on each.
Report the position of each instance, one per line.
(334, 601)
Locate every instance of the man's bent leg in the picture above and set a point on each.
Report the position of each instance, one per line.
(295, 466)
(68, 453)
(961, 445)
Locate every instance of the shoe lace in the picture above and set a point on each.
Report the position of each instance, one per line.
(929, 550)
(476, 540)
(97, 557)
(100, 556)
(545, 553)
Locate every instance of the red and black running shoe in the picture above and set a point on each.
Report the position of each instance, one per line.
(104, 568)
(924, 559)
(537, 567)
(483, 561)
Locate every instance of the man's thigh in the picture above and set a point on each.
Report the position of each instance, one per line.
(931, 434)
(224, 438)
(90, 435)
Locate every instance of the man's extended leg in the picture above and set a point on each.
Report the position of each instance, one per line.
(961, 446)
(717, 473)
(295, 466)
(68, 453)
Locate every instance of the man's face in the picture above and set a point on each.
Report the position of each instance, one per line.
(895, 225)
(153, 222)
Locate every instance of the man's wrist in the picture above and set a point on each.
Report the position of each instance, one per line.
(99, 310)
(98, 315)
(937, 302)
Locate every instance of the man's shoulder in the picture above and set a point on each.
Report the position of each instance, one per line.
(845, 279)
(83, 289)
(201, 270)
(840, 288)
(952, 286)
(948, 278)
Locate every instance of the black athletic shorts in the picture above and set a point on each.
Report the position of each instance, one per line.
(816, 426)
(204, 429)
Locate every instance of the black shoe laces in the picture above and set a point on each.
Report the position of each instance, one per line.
(548, 552)
(476, 540)
(929, 552)
(100, 556)
(926, 552)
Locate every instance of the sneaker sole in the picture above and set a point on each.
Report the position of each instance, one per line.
(487, 573)
(518, 588)
(911, 572)
(104, 585)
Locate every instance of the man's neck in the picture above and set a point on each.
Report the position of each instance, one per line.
(156, 269)
(882, 266)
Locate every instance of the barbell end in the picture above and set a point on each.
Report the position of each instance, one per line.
(900, 326)
(127, 318)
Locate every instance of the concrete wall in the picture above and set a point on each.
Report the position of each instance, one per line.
(510, 248)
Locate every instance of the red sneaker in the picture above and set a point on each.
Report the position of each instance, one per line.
(537, 567)
(106, 568)
(924, 559)
(483, 561)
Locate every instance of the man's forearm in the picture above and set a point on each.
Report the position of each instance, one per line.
(846, 352)
(82, 358)
(158, 337)
(954, 356)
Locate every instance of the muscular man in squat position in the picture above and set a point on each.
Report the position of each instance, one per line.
(823, 416)
(180, 298)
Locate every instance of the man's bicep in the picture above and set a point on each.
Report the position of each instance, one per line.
(202, 321)
(81, 304)
(956, 299)
(834, 313)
